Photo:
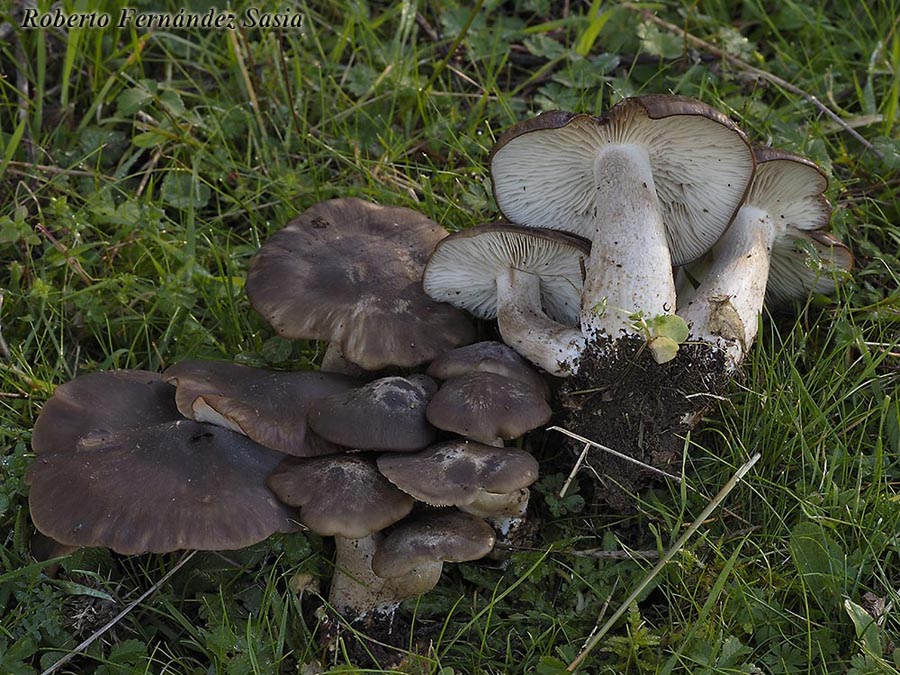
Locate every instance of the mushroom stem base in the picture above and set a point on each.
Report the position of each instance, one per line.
(357, 592)
(524, 326)
(724, 309)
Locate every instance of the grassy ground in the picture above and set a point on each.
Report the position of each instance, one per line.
(140, 171)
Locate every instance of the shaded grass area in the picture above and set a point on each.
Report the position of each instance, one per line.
(140, 171)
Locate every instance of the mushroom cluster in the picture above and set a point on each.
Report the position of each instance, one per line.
(613, 205)
(405, 473)
(653, 184)
(397, 447)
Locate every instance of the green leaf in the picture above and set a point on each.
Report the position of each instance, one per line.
(132, 100)
(659, 43)
(72, 588)
(663, 349)
(544, 46)
(548, 665)
(181, 190)
(589, 36)
(866, 628)
(819, 559)
(173, 103)
(669, 325)
(148, 139)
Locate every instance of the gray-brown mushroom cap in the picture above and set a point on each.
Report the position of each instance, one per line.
(486, 406)
(487, 357)
(115, 399)
(340, 495)
(349, 271)
(268, 406)
(455, 473)
(385, 414)
(432, 537)
(160, 488)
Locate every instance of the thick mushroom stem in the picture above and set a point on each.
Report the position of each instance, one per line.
(356, 591)
(724, 309)
(628, 270)
(529, 331)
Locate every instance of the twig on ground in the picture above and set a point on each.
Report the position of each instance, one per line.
(616, 453)
(578, 463)
(598, 554)
(657, 568)
(753, 70)
(118, 617)
(19, 168)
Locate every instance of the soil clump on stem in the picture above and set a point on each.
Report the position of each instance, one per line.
(623, 399)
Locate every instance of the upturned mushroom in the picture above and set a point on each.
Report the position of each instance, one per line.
(350, 272)
(656, 180)
(786, 204)
(268, 406)
(529, 278)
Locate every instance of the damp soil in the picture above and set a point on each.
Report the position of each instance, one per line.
(376, 641)
(623, 399)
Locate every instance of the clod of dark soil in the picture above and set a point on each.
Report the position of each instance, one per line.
(623, 399)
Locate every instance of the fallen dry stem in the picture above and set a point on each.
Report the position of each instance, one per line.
(588, 441)
(657, 568)
(578, 463)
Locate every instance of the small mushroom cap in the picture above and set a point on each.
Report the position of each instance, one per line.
(456, 472)
(809, 261)
(385, 414)
(268, 406)
(543, 169)
(156, 489)
(116, 399)
(488, 357)
(487, 406)
(464, 267)
(350, 272)
(340, 495)
(448, 536)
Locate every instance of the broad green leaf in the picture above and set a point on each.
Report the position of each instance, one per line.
(663, 349)
(131, 100)
(866, 628)
(181, 190)
(669, 325)
(820, 560)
